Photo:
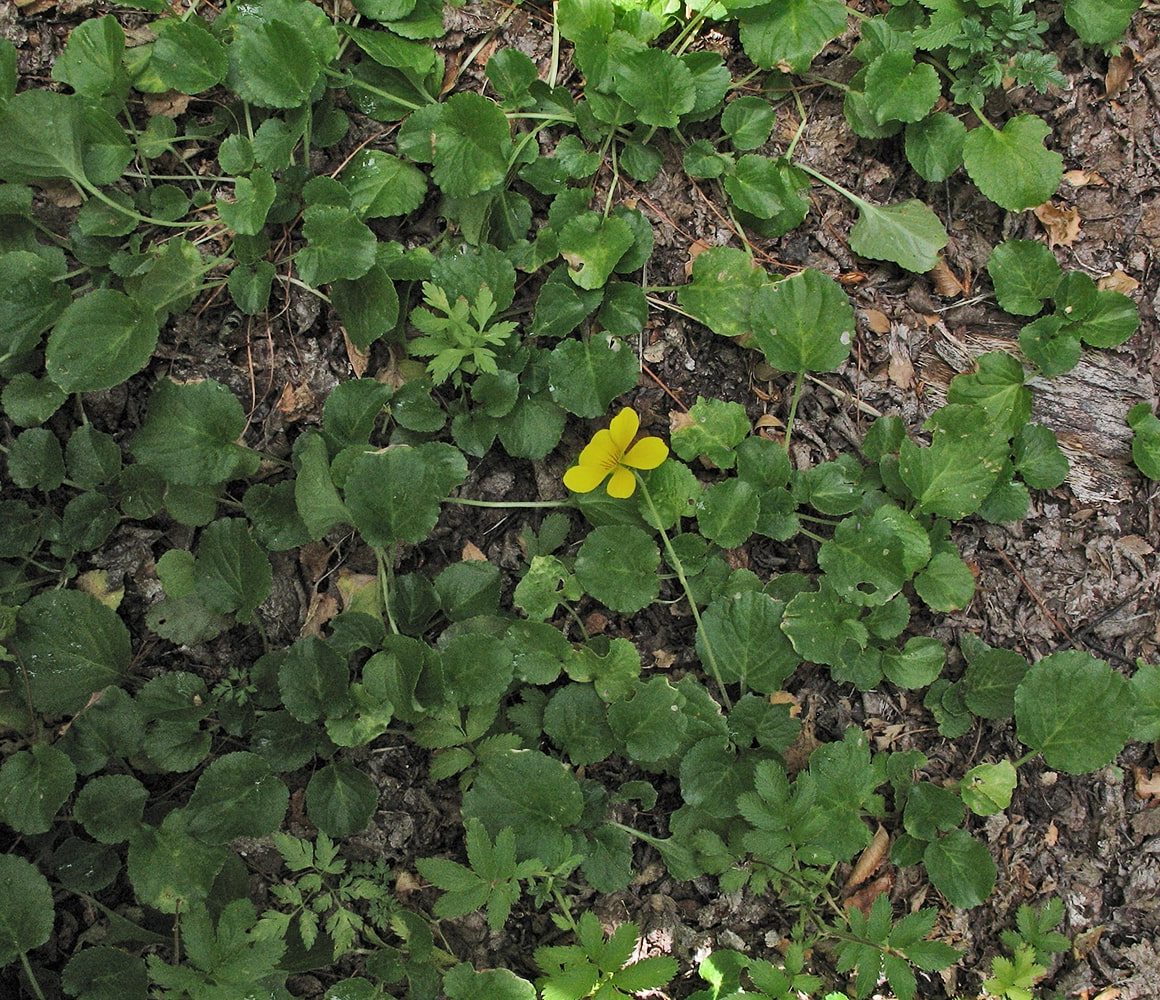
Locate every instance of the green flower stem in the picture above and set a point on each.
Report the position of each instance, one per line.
(837, 85)
(801, 110)
(1025, 758)
(832, 521)
(85, 187)
(793, 405)
(678, 566)
(504, 504)
(386, 574)
(686, 36)
(662, 304)
(349, 81)
(31, 977)
(833, 185)
(811, 534)
(983, 118)
(554, 71)
(613, 184)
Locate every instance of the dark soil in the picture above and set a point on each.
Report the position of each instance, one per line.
(1081, 572)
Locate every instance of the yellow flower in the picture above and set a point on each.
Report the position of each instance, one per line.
(609, 452)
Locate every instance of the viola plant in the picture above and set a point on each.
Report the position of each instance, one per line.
(205, 778)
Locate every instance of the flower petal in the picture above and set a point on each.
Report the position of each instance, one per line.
(601, 453)
(584, 478)
(623, 428)
(622, 484)
(647, 453)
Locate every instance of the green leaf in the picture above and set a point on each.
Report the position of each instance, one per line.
(186, 57)
(946, 584)
(727, 512)
(931, 810)
(1024, 273)
(30, 300)
(587, 375)
(899, 89)
(233, 573)
(1099, 22)
(790, 31)
(338, 246)
(533, 428)
(1145, 439)
(237, 796)
(464, 983)
(29, 401)
(821, 625)
(1113, 319)
(934, 146)
(917, 664)
(650, 723)
(49, 135)
(617, 565)
(103, 973)
(748, 644)
(868, 561)
(110, 807)
(170, 869)
(955, 474)
(530, 792)
(383, 186)
(574, 719)
(341, 799)
(395, 495)
(1051, 345)
(511, 72)
(593, 246)
(253, 198)
(313, 681)
(909, 234)
(656, 84)
(724, 283)
(1058, 704)
(748, 121)
(91, 62)
(367, 306)
(472, 146)
(991, 679)
(987, 788)
(961, 868)
(27, 917)
(34, 784)
(1011, 167)
(1038, 457)
(100, 340)
(71, 646)
(753, 186)
(273, 62)
(35, 460)
(714, 429)
(804, 323)
(190, 432)
(476, 670)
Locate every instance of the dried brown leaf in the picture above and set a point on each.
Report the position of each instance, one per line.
(1085, 178)
(864, 898)
(876, 320)
(296, 402)
(946, 283)
(1118, 74)
(870, 860)
(1118, 281)
(358, 359)
(323, 608)
(472, 553)
(1061, 224)
(1147, 783)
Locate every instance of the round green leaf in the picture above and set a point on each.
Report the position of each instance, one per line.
(169, 868)
(272, 63)
(917, 664)
(574, 719)
(909, 234)
(1113, 319)
(790, 31)
(1050, 344)
(232, 574)
(987, 788)
(868, 561)
(934, 146)
(748, 121)
(656, 84)
(650, 722)
(341, 799)
(237, 796)
(92, 61)
(476, 669)
(30, 300)
(26, 918)
(961, 868)
(99, 341)
(1038, 457)
(727, 512)
(313, 681)
(804, 323)
(105, 974)
(587, 375)
(110, 807)
(472, 144)
(34, 784)
(899, 89)
(70, 645)
(1145, 439)
(1074, 709)
(382, 186)
(722, 288)
(617, 565)
(1011, 167)
(753, 186)
(1024, 273)
(593, 246)
(338, 245)
(186, 57)
(744, 633)
(946, 584)
(35, 460)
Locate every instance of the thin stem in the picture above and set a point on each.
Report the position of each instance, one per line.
(100, 195)
(613, 184)
(386, 575)
(554, 71)
(793, 405)
(983, 118)
(831, 521)
(801, 109)
(678, 566)
(504, 504)
(832, 184)
(1024, 759)
(811, 534)
(350, 81)
(31, 976)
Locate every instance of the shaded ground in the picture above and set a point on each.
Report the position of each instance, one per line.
(1082, 571)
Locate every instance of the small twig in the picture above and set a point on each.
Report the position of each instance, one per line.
(1034, 594)
(841, 394)
(667, 391)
